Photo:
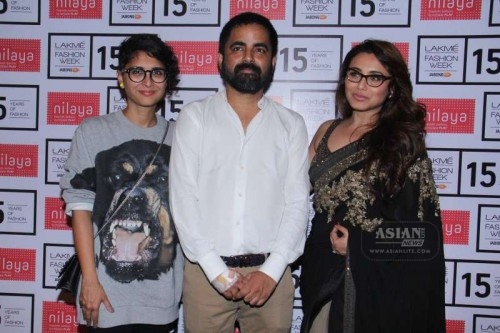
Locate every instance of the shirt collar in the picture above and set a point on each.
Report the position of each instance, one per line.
(262, 103)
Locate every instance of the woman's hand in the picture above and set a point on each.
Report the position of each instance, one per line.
(92, 295)
(338, 237)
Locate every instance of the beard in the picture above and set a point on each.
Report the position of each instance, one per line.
(247, 83)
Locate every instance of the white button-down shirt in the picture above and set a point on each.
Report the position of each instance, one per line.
(235, 193)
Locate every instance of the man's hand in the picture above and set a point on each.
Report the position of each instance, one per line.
(232, 293)
(91, 297)
(225, 283)
(255, 288)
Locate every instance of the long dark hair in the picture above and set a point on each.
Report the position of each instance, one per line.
(398, 137)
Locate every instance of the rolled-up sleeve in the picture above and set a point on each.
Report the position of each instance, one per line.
(78, 160)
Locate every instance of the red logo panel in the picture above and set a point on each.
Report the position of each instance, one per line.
(455, 326)
(71, 108)
(55, 217)
(456, 226)
(60, 317)
(273, 10)
(75, 9)
(446, 115)
(18, 160)
(20, 55)
(17, 264)
(196, 57)
(450, 10)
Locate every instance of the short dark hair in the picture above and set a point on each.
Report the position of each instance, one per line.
(245, 19)
(154, 47)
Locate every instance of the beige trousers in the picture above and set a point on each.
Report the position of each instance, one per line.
(320, 323)
(206, 311)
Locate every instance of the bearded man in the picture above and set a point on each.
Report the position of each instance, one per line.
(240, 190)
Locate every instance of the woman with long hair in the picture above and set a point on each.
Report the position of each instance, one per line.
(373, 261)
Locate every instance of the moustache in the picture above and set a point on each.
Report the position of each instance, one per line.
(244, 66)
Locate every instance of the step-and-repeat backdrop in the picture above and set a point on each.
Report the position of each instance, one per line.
(57, 67)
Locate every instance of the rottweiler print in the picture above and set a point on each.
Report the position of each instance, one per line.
(139, 241)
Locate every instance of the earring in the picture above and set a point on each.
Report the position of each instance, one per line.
(121, 85)
(390, 95)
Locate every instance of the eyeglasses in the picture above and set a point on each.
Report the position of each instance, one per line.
(373, 80)
(138, 74)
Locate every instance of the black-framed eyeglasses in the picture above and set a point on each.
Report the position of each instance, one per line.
(138, 74)
(373, 80)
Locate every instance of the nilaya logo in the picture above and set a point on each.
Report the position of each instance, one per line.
(18, 160)
(17, 264)
(450, 10)
(20, 55)
(447, 115)
(75, 9)
(71, 108)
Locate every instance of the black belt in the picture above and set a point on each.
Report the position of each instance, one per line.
(245, 260)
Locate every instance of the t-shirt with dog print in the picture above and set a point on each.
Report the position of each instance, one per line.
(139, 259)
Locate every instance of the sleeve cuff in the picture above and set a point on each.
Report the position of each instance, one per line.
(212, 265)
(70, 207)
(274, 266)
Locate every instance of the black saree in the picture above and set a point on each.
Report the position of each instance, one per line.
(391, 293)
